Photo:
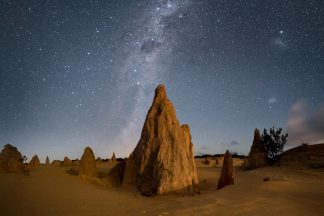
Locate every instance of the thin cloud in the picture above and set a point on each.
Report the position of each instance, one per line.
(205, 148)
(304, 126)
(234, 142)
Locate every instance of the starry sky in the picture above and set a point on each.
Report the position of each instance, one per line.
(82, 73)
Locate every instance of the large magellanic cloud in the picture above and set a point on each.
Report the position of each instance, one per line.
(305, 126)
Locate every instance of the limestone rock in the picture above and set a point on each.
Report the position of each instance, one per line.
(56, 163)
(11, 159)
(113, 158)
(87, 165)
(76, 162)
(67, 162)
(206, 161)
(163, 160)
(47, 162)
(116, 173)
(227, 175)
(219, 161)
(34, 162)
(257, 153)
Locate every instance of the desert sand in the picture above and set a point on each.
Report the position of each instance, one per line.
(51, 190)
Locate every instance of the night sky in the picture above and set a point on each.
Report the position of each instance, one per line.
(82, 73)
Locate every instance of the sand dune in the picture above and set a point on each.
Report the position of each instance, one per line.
(52, 191)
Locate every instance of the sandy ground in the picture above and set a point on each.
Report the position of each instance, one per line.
(52, 191)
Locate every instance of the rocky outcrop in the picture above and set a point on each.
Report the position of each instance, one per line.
(219, 161)
(67, 162)
(257, 155)
(116, 173)
(227, 175)
(47, 162)
(34, 162)
(163, 159)
(76, 162)
(56, 163)
(206, 161)
(11, 159)
(87, 165)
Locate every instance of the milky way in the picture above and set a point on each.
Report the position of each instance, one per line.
(142, 69)
(83, 73)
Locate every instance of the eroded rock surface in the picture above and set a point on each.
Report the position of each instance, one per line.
(87, 165)
(113, 158)
(257, 155)
(228, 172)
(34, 162)
(11, 159)
(163, 160)
(47, 162)
(67, 162)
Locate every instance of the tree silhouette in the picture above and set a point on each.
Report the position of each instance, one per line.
(273, 142)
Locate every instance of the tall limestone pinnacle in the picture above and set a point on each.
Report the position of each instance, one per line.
(163, 159)
(257, 153)
(87, 166)
(228, 171)
(113, 158)
(47, 162)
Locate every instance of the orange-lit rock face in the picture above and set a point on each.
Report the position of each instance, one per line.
(87, 165)
(11, 159)
(228, 172)
(257, 153)
(34, 162)
(163, 159)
